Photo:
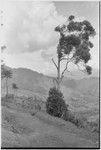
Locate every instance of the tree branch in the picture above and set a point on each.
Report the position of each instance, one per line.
(54, 63)
(55, 82)
(62, 74)
(55, 79)
(80, 69)
(68, 60)
(63, 59)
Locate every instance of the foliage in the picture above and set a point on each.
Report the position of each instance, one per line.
(14, 86)
(55, 104)
(30, 105)
(94, 126)
(79, 121)
(24, 104)
(6, 73)
(74, 43)
(89, 69)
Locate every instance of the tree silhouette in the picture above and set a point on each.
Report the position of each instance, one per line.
(14, 87)
(6, 74)
(2, 61)
(74, 46)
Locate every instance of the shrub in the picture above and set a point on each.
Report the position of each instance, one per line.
(94, 126)
(77, 120)
(55, 104)
(68, 116)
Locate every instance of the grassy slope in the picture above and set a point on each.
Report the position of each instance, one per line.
(79, 94)
(41, 130)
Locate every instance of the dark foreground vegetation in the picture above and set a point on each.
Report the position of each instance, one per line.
(57, 107)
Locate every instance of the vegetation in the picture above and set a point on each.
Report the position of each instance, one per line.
(2, 61)
(77, 120)
(7, 99)
(14, 87)
(24, 104)
(6, 74)
(81, 121)
(30, 104)
(74, 46)
(55, 104)
(93, 126)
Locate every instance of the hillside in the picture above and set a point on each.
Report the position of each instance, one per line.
(81, 95)
(41, 130)
(25, 125)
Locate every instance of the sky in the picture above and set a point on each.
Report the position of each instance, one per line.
(28, 32)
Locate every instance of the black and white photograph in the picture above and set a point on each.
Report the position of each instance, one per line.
(50, 77)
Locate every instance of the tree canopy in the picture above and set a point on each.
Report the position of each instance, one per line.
(75, 43)
(6, 73)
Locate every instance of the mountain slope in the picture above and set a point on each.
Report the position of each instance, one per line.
(81, 95)
(22, 130)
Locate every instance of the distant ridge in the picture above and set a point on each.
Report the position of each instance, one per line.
(80, 75)
(76, 74)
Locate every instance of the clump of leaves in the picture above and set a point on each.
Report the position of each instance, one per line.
(74, 43)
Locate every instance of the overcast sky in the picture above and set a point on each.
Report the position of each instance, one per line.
(28, 31)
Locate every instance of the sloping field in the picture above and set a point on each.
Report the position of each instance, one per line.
(41, 130)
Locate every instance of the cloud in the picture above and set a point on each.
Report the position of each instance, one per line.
(49, 53)
(29, 26)
(32, 60)
(28, 33)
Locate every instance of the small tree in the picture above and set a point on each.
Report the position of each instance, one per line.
(6, 74)
(55, 104)
(14, 87)
(74, 46)
(2, 61)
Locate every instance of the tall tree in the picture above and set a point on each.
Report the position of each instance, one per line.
(6, 74)
(74, 46)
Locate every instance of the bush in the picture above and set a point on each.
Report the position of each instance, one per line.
(94, 126)
(55, 104)
(77, 120)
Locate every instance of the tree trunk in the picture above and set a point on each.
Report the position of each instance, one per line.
(6, 87)
(58, 74)
(15, 92)
(15, 96)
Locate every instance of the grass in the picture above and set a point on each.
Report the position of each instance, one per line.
(21, 129)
